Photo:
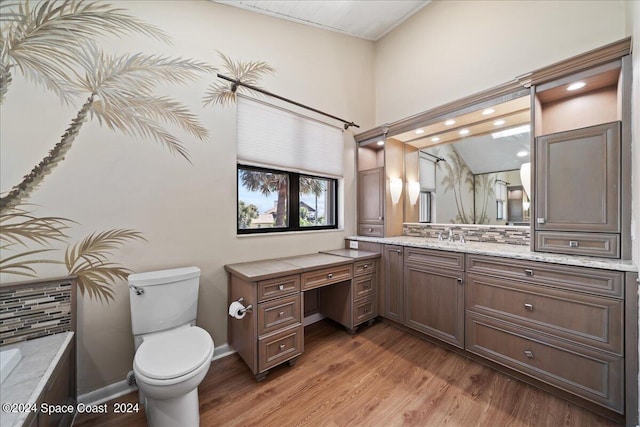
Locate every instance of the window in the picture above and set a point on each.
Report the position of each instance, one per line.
(274, 201)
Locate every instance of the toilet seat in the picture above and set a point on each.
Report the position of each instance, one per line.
(173, 354)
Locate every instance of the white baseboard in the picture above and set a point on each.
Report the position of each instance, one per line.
(120, 388)
(313, 318)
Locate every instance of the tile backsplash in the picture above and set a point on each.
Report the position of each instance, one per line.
(35, 310)
(513, 235)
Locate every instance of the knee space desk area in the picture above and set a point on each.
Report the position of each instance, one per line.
(271, 332)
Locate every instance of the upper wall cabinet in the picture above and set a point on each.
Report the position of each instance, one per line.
(582, 145)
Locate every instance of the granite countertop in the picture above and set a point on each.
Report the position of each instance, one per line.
(26, 382)
(503, 250)
(355, 254)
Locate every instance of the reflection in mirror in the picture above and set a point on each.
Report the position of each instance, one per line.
(468, 167)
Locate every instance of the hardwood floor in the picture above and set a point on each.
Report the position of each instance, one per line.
(380, 376)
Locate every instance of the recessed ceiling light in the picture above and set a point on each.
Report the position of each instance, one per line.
(435, 139)
(450, 122)
(499, 122)
(419, 131)
(464, 131)
(488, 111)
(576, 86)
(380, 142)
(522, 153)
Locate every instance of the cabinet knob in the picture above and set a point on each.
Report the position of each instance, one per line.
(529, 272)
(366, 310)
(573, 243)
(398, 251)
(540, 220)
(365, 266)
(459, 280)
(529, 354)
(379, 218)
(329, 276)
(282, 346)
(281, 287)
(371, 230)
(529, 307)
(281, 314)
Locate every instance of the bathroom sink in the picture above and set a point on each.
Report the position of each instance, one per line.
(8, 360)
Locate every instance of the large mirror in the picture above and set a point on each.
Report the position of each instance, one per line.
(468, 168)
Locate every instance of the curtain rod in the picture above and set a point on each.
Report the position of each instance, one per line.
(237, 83)
(438, 159)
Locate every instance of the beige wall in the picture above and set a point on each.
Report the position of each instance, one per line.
(451, 49)
(186, 212)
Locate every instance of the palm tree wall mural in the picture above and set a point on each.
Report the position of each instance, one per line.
(458, 179)
(53, 44)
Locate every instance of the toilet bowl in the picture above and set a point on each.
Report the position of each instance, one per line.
(172, 354)
(168, 368)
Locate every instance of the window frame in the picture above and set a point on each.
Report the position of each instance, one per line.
(293, 202)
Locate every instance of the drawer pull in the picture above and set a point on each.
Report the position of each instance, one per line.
(573, 243)
(367, 286)
(365, 266)
(529, 307)
(329, 276)
(459, 280)
(366, 310)
(529, 272)
(371, 230)
(282, 346)
(529, 354)
(281, 287)
(281, 314)
(398, 251)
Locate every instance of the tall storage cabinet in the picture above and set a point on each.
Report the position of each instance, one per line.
(581, 161)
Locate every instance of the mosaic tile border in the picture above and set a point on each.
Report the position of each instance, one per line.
(511, 235)
(35, 310)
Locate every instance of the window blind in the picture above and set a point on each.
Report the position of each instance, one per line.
(271, 136)
(427, 174)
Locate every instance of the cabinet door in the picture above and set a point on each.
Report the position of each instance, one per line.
(578, 180)
(434, 302)
(393, 283)
(371, 196)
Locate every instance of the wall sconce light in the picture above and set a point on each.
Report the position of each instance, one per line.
(395, 187)
(413, 187)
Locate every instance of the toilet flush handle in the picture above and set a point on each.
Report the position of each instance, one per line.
(138, 290)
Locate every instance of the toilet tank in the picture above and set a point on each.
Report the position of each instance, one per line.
(169, 299)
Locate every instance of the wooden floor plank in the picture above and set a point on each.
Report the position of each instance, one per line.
(381, 376)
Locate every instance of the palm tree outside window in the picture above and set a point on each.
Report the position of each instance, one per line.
(271, 200)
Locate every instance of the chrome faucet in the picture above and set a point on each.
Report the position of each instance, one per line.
(462, 240)
(439, 236)
(450, 236)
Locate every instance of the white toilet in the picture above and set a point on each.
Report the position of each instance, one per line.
(172, 354)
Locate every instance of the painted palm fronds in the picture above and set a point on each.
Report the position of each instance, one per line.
(223, 92)
(43, 41)
(121, 97)
(88, 260)
(20, 227)
(459, 179)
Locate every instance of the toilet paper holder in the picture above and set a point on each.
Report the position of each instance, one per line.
(248, 308)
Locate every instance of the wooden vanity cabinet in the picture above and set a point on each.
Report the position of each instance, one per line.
(558, 324)
(581, 164)
(393, 289)
(434, 294)
(371, 202)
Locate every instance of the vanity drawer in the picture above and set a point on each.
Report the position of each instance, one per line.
(280, 286)
(371, 230)
(277, 314)
(364, 310)
(280, 347)
(593, 375)
(435, 258)
(326, 276)
(583, 318)
(364, 286)
(584, 279)
(590, 244)
(364, 267)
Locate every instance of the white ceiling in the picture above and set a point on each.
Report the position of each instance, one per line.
(366, 19)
